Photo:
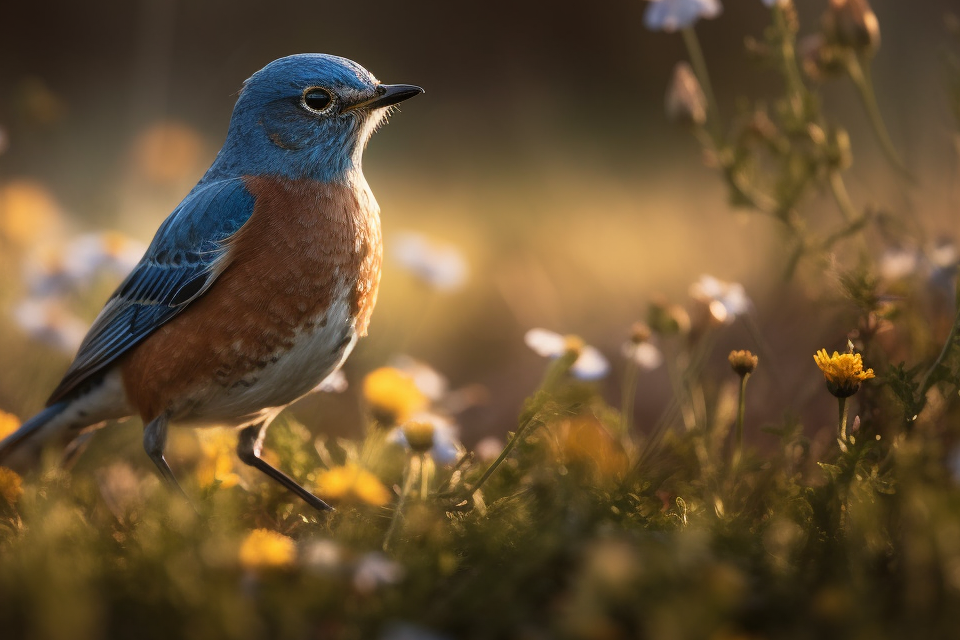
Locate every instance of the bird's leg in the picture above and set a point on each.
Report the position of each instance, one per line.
(154, 441)
(249, 446)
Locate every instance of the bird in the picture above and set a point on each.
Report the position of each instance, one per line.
(254, 289)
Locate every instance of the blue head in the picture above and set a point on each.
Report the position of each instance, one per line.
(305, 116)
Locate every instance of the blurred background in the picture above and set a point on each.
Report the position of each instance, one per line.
(540, 153)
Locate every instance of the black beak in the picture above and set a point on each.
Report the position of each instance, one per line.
(387, 95)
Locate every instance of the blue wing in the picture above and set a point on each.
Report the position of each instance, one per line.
(184, 259)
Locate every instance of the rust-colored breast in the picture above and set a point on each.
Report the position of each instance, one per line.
(305, 243)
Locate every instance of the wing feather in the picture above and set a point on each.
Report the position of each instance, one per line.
(184, 259)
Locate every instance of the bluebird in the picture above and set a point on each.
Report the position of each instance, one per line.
(257, 286)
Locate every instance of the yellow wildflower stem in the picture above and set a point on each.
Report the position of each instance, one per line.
(398, 512)
(424, 477)
(842, 430)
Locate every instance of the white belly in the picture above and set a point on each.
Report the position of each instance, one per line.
(291, 374)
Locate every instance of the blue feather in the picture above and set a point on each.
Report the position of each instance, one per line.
(30, 427)
(180, 264)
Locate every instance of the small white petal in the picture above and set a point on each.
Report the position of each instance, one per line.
(375, 570)
(47, 321)
(545, 343)
(646, 355)
(336, 382)
(591, 364)
(726, 300)
(671, 15)
(898, 263)
(440, 266)
(430, 382)
(324, 556)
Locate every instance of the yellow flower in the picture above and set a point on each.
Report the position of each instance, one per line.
(843, 372)
(350, 483)
(265, 548)
(216, 465)
(28, 212)
(419, 435)
(8, 424)
(393, 396)
(10, 485)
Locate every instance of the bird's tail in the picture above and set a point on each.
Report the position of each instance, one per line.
(21, 450)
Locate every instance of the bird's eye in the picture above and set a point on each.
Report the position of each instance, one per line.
(317, 99)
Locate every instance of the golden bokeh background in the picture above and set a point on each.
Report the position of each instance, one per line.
(540, 150)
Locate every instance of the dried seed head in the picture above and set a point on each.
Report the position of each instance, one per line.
(667, 319)
(853, 24)
(685, 101)
(640, 332)
(743, 362)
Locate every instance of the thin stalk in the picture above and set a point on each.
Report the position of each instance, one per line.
(864, 84)
(926, 383)
(741, 408)
(556, 372)
(842, 429)
(398, 512)
(788, 56)
(699, 64)
(628, 394)
(424, 477)
(839, 191)
(506, 451)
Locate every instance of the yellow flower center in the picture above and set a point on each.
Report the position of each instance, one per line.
(573, 344)
(266, 548)
(352, 484)
(393, 396)
(10, 485)
(8, 424)
(419, 435)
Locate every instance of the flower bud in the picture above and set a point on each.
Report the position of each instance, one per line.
(640, 333)
(853, 24)
(685, 101)
(419, 435)
(668, 319)
(743, 362)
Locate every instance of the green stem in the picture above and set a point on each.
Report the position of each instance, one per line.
(398, 512)
(926, 383)
(839, 191)
(699, 64)
(864, 84)
(738, 451)
(842, 429)
(788, 56)
(424, 477)
(556, 372)
(521, 430)
(628, 395)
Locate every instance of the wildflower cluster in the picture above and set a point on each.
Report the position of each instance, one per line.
(684, 476)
